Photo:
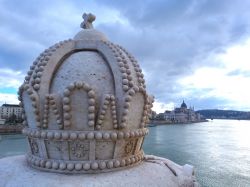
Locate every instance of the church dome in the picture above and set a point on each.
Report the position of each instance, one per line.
(85, 106)
(183, 105)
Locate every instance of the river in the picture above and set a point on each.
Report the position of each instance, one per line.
(219, 149)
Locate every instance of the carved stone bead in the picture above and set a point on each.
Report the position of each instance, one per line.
(123, 163)
(106, 135)
(37, 162)
(42, 163)
(120, 135)
(128, 161)
(94, 165)
(98, 135)
(91, 116)
(67, 116)
(79, 85)
(132, 134)
(91, 102)
(90, 135)
(66, 100)
(86, 166)
(132, 160)
(91, 123)
(110, 164)
(113, 135)
(125, 87)
(55, 165)
(43, 134)
(70, 166)
(91, 109)
(122, 125)
(131, 92)
(82, 136)
(87, 87)
(117, 163)
(50, 135)
(102, 165)
(65, 135)
(66, 93)
(127, 135)
(78, 166)
(48, 164)
(57, 135)
(73, 136)
(91, 94)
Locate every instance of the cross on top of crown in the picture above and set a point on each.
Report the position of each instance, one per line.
(87, 21)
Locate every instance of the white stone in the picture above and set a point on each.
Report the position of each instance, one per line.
(14, 172)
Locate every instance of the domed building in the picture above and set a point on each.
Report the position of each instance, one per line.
(183, 105)
(182, 114)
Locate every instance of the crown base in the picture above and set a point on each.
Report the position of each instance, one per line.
(74, 167)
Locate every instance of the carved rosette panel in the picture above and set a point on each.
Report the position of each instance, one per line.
(79, 150)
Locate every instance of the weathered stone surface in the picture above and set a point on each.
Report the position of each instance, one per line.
(14, 172)
(85, 106)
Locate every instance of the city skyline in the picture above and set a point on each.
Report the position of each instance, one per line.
(193, 50)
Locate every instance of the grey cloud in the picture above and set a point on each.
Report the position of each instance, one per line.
(170, 39)
(173, 38)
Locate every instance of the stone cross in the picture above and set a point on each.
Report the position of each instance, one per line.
(87, 21)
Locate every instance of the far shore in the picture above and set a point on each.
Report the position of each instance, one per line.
(164, 122)
(11, 129)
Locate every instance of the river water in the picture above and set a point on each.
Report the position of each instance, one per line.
(219, 149)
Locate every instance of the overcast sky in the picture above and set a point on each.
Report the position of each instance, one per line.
(196, 50)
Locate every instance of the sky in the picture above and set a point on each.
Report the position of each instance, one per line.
(192, 50)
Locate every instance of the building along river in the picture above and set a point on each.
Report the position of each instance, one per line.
(219, 149)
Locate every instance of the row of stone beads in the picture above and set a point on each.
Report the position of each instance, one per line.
(67, 107)
(151, 106)
(51, 102)
(32, 68)
(23, 115)
(42, 61)
(125, 69)
(34, 103)
(108, 100)
(20, 92)
(92, 165)
(123, 66)
(98, 135)
(137, 68)
(148, 107)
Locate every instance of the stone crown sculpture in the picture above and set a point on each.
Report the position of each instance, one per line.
(85, 106)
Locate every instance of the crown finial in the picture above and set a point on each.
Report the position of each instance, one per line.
(87, 21)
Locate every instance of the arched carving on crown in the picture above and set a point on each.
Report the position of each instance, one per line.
(79, 108)
(70, 48)
(135, 109)
(107, 111)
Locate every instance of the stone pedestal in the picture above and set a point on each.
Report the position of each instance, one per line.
(14, 172)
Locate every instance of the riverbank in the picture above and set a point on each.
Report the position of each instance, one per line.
(11, 129)
(164, 122)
